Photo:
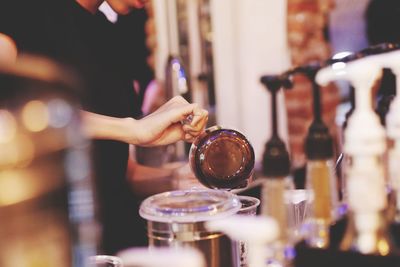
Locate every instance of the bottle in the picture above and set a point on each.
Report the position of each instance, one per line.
(321, 182)
(365, 145)
(390, 60)
(345, 58)
(276, 180)
(367, 230)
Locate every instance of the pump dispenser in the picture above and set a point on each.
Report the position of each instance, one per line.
(320, 178)
(365, 145)
(338, 61)
(275, 170)
(391, 61)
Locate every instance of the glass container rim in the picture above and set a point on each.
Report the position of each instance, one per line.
(223, 204)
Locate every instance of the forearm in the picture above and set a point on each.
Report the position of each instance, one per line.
(97, 126)
(161, 127)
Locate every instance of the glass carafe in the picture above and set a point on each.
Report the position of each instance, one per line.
(222, 159)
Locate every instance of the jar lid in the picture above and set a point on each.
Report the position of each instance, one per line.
(189, 206)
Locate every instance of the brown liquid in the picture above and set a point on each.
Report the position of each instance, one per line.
(223, 159)
(320, 180)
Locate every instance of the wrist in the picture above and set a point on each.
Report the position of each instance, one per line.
(98, 126)
(127, 131)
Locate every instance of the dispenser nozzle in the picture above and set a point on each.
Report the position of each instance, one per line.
(319, 143)
(275, 82)
(355, 72)
(378, 49)
(390, 60)
(354, 64)
(362, 74)
(276, 162)
(372, 50)
(309, 70)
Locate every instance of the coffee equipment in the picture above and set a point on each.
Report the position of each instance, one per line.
(177, 219)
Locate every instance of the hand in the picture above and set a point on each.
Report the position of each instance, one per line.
(164, 126)
(161, 127)
(8, 50)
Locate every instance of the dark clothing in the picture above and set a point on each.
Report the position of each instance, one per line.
(132, 28)
(383, 20)
(63, 30)
(382, 24)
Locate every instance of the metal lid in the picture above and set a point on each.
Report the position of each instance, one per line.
(189, 206)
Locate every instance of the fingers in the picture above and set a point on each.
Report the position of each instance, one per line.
(199, 115)
(181, 109)
(196, 128)
(189, 138)
(8, 50)
(169, 116)
(177, 99)
(172, 104)
(198, 122)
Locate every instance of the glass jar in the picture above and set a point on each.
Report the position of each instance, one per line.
(222, 158)
(177, 219)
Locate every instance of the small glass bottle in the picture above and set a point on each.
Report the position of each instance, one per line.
(276, 185)
(321, 181)
(323, 201)
(276, 179)
(321, 184)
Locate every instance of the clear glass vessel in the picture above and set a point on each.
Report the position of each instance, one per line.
(323, 201)
(178, 218)
(222, 158)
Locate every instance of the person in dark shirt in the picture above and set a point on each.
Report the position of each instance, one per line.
(131, 28)
(382, 26)
(77, 35)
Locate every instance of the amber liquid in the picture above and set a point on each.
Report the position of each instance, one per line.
(320, 182)
(223, 160)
